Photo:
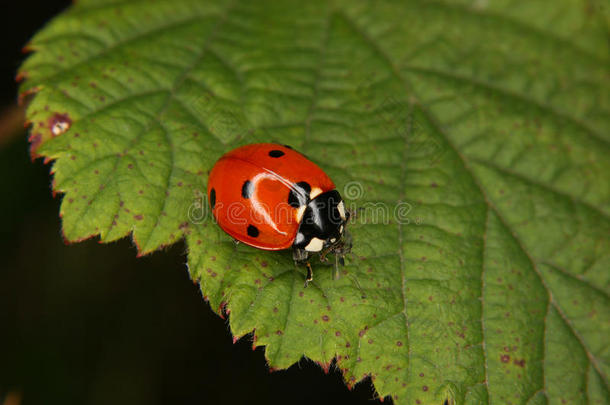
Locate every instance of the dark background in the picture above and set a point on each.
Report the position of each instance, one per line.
(91, 323)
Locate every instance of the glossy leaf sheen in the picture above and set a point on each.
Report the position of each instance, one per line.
(490, 119)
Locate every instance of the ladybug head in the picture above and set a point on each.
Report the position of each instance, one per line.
(323, 223)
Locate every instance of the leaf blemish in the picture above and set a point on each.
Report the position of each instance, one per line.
(59, 123)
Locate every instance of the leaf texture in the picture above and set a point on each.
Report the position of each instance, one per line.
(473, 136)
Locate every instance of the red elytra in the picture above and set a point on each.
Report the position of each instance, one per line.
(258, 194)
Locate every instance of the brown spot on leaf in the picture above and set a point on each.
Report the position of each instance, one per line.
(505, 358)
(59, 123)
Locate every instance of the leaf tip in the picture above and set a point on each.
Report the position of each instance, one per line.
(27, 48)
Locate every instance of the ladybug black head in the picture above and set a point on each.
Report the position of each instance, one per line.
(323, 222)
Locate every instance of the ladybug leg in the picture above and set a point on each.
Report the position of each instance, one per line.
(346, 246)
(323, 254)
(309, 274)
(334, 248)
(301, 256)
(353, 214)
(338, 259)
(357, 284)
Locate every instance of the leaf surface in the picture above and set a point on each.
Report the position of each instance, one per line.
(473, 137)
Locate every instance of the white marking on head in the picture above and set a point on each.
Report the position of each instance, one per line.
(333, 240)
(315, 245)
(341, 208)
(300, 212)
(314, 193)
(341, 229)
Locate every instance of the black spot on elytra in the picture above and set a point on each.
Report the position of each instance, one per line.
(299, 195)
(247, 189)
(252, 231)
(212, 198)
(275, 153)
(287, 146)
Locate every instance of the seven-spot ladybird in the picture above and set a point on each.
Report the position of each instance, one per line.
(271, 197)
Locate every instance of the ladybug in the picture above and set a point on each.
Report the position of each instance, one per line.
(272, 197)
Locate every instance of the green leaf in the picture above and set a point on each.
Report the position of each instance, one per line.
(473, 137)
